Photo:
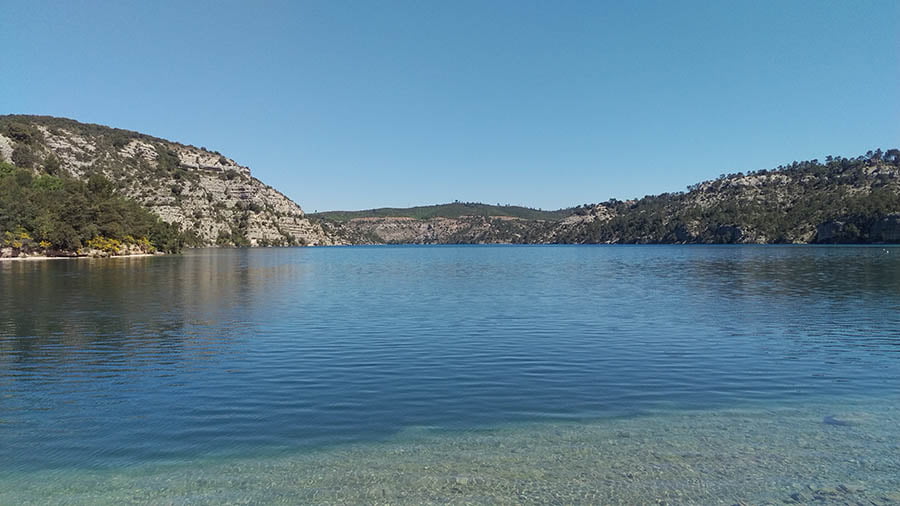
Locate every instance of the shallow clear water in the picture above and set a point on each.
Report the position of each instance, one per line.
(441, 374)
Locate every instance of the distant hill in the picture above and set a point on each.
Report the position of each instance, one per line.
(839, 200)
(210, 198)
(451, 210)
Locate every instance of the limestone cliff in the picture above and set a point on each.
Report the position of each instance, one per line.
(441, 230)
(209, 196)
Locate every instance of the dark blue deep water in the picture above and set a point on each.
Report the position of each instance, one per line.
(111, 363)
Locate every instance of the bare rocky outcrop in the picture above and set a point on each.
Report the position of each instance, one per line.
(211, 197)
(460, 230)
(6, 148)
(475, 229)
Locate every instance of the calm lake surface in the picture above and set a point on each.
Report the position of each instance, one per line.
(453, 373)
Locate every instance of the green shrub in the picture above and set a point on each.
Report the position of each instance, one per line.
(66, 214)
(23, 156)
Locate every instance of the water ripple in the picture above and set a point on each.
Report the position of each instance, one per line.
(229, 352)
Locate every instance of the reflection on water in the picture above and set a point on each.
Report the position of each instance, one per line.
(237, 354)
(53, 309)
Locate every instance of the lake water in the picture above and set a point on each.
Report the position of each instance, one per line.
(478, 374)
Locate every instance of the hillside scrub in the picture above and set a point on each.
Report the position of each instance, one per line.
(41, 213)
(851, 197)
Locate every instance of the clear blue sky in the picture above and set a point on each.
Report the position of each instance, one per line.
(350, 105)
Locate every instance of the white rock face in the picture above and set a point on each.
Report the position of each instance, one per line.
(6, 148)
(139, 150)
(597, 212)
(207, 194)
(461, 230)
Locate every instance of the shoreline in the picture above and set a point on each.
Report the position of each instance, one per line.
(76, 257)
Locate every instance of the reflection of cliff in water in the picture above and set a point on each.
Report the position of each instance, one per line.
(182, 307)
(59, 309)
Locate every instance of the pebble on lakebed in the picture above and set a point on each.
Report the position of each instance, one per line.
(766, 456)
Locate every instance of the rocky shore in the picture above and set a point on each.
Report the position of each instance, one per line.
(47, 254)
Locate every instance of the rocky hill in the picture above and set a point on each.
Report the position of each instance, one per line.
(209, 196)
(840, 200)
(453, 223)
(455, 209)
(215, 201)
(461, 230)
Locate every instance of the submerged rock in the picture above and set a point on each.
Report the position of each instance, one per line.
(831, 420)
(798, 497)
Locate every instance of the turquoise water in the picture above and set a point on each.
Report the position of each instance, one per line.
(499, 374)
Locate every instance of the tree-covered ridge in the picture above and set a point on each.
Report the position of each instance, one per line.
(450, 210)
(40, 213)
(838, 200)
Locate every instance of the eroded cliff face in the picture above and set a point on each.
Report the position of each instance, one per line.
(474, 229)
(211, 197)
(461, 230)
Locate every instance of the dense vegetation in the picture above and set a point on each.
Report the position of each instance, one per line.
(846, 197)
(46, 213)
(452, 210)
